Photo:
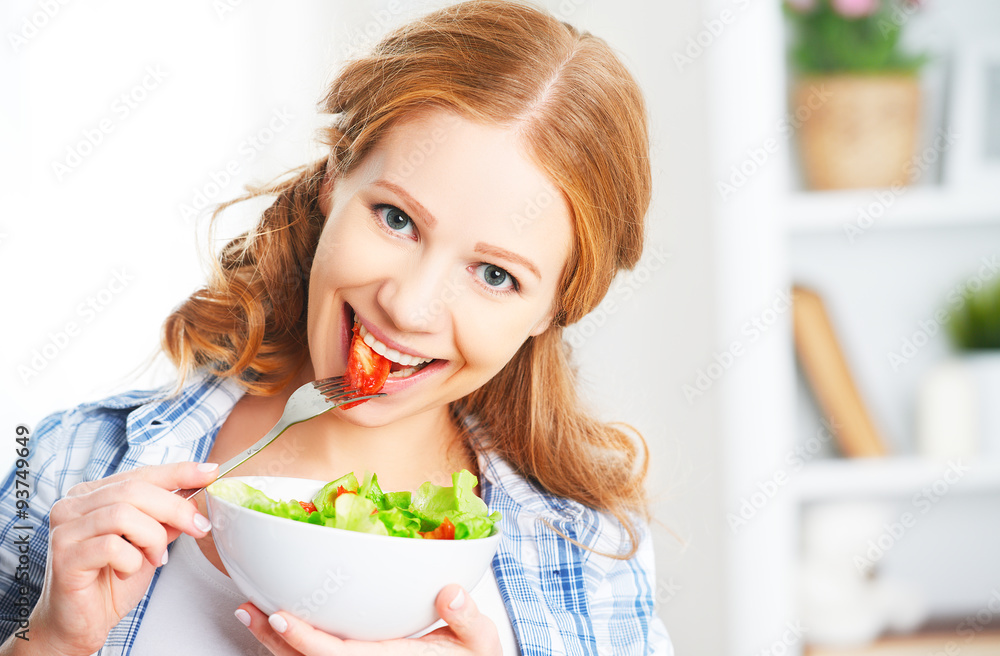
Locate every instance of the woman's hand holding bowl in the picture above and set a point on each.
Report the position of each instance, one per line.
(468, 632)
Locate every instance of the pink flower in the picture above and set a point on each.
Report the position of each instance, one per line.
(855, 8)
(801, 6)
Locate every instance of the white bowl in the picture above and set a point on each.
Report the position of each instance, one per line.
(350, 584)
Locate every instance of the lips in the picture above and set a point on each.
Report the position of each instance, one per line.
(405, 366)
(401, 362)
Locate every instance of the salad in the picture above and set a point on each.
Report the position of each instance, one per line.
(432, 512)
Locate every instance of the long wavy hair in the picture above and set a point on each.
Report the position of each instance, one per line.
(582, 119)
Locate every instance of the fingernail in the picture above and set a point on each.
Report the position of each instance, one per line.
(202, 522)
(243, 616)
(277, 623)
(207, 466)
(163, 559)
(457, 602)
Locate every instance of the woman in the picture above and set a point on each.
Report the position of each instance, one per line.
(487, 177)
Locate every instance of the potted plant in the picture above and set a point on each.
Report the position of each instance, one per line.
(856, 93)
(958, 409)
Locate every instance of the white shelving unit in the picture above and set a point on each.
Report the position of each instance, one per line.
(917, 207)
(762, 232)
(894, 478)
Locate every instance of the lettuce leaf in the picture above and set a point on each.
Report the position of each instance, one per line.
(371, 491)
(244, 495)
(324, 499)
(357, 513)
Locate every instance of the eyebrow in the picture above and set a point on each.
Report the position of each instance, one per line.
(481, 247)
(496, 251)
(425, 216)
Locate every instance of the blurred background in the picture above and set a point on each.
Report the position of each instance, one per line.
(809, 345)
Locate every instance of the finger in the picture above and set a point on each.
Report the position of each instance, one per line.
(123, 519)
(170, 476)
(82, 563)
(304, 639)
(471, 628)
(301, 638)
(154, 501)
(251, 617)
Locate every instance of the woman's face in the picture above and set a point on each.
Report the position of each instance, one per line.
(445, 243)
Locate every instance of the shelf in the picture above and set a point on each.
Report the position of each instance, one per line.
(966, 643)
(841, 478)
(918, 206)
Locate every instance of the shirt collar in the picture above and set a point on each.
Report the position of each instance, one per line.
(502, 484)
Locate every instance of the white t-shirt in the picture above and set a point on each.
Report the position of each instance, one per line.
(191, 610)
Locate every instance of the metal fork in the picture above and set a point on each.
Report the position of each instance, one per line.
(308, 401)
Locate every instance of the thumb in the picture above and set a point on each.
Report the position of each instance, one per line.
(472, 628)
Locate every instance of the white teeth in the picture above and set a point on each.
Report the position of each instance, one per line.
(404, 359)
(402, 373)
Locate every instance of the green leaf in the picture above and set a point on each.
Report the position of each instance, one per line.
(398, 499)
(244, 495)
(825, 42)
(400, 523)
(324, 499)
(356, 513)
(371, 491)
(974, 322)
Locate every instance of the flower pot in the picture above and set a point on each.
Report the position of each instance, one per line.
(857, 130)
(958, 407)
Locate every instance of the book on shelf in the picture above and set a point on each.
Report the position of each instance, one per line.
(931, 644)
(830, 378)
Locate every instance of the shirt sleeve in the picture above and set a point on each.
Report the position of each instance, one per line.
(623, 606)
(61, 453)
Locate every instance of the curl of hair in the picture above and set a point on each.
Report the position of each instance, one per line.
(580, 117)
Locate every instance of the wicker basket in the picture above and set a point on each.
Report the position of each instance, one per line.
(857, 130)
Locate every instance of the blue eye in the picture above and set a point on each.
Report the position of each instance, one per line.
(496, 278)
(394, 219)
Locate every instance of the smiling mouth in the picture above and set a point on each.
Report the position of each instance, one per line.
(402, 365)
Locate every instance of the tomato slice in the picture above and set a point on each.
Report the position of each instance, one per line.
(309, 506)
(366, 369)
(446, 531)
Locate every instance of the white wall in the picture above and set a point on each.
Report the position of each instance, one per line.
(224, 77)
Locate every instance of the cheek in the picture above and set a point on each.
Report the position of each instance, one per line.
(342, 258)
(489, 337)
(337, 265)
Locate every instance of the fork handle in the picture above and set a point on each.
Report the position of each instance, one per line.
(239, 458)
(270, 436)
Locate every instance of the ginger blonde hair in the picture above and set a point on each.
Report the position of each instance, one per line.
(581, 118)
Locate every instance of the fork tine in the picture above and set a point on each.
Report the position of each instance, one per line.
(336, 395)
(339, 385)
(337, 390)
(332, 380)
(354, 397)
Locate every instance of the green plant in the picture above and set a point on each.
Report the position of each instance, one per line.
(850, 36)
(975, 322)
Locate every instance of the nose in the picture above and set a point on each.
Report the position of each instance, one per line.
(418, 298)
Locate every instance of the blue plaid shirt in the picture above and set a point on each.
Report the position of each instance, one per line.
(561, 599)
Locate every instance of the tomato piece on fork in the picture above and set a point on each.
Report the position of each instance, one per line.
(366, 369)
